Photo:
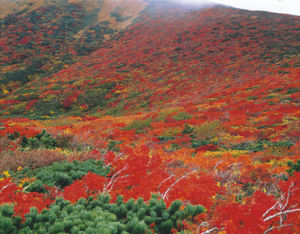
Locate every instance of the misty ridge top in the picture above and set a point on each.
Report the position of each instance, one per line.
(129, 8)
(125, 10)
(10, 6)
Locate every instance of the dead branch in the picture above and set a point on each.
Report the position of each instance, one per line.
(113, 179)
(165, 194)
(281, 209)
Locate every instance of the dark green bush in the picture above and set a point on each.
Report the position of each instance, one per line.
(13, 136)
(8, 223)
(261, 145)
(61, 174)
(42, 139)
(100, 216)
(254, 147)
(166, 138)
(281, 144)
(292, 90)
(139, 125)
(112, 145)
(197, 143)
(294, 167)
(182, 116)
(188, 129)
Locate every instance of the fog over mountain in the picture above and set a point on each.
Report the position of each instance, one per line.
(279, 6)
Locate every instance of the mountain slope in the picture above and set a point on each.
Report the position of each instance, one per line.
(170, 55)
(39, 38)
(198, 104)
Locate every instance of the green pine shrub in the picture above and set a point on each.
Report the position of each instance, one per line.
(100, 216)
(13, 136)
(294, 167)
(139, 125)
(61, 174)
(8, 223)
(113, 145)
(261, 145)
(41, 140)
(182, 116)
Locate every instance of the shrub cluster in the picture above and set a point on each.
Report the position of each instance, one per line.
(261, 145)
(205, 134)
(61, 174)
(139, 125)
(293, 167)
(101, 216)
(41, 140)
(182, 116)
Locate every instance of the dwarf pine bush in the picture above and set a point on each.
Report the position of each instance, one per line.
(100, 216)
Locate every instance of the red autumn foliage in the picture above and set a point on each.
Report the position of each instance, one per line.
(90, 184)
(22, 202)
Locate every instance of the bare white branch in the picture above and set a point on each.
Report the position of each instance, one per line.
(211, 230)
(288, 196)
(278, 227)
(6, 186)
(168, 178)
(281, 209)
(203, 224)
(280, 213)
(165, 194)
(113, 179)
(274, 206)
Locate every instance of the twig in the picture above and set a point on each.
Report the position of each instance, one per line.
(280, 213)
(172, 185)
(211, 230)
(288, 196)
(204, 224)
(278, 227)
(112, 179)
(274, 206)
(6, 186)
(281, 210)
(171, 176)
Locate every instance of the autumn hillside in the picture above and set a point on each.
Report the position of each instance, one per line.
(39, 38)
(170, 55)
(168, 118)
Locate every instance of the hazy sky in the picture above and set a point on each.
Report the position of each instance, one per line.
(280, 6)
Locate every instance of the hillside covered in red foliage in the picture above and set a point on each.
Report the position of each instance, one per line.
(198, 104)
